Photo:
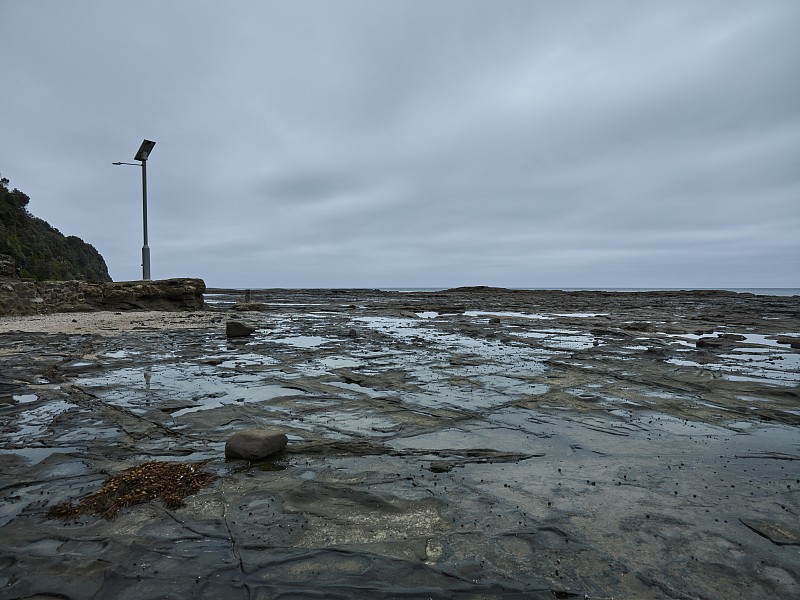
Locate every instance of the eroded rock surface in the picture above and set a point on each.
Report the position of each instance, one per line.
(22, 297)
(475, 443)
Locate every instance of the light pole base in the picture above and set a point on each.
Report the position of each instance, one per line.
(146, 263)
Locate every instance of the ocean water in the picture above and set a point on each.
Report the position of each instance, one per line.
(757, 291)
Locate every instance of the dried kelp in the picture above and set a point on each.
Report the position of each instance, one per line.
(170, 482)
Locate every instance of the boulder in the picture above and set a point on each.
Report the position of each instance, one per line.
(440, 466)
(255, 444)
(238, 329)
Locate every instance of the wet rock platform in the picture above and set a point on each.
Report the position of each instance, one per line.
(470, 443)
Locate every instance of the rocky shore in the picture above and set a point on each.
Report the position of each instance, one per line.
(470, 443)
(25, 297)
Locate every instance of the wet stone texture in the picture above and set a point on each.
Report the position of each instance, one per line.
(474, 443)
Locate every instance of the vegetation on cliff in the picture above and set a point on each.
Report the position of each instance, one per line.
(41, 251)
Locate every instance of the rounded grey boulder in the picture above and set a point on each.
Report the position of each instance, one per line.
(255, 444)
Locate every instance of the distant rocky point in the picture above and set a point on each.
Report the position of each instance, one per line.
(43, 271)
(31, 248)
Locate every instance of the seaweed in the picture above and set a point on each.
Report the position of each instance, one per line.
(168, 481)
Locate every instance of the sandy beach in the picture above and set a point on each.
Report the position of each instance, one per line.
(106, 323)
(472, 443)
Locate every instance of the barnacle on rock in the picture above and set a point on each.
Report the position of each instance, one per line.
(168, 481)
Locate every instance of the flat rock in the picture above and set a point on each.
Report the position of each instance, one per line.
(776, 533)
(726, 339)
(22, 297)
(793, 342)
(255, 444)
(251, 306)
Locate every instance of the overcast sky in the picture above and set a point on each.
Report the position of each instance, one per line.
(414, 143)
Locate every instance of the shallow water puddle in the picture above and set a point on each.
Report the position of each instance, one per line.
(339, 362)
(358, 389)
(33, 422)
(762, 340)
(258, 393)
(775, 368)
(339, 424)
(483, 313)
(121, 354)
(247, 359)
(199, 386)
(397, 326)
(319, 367)
(428, 314)
(470, 437)
(89, 434)
(303, 341)
(25, 398)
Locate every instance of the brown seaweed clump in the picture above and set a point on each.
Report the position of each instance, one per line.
(169, 481)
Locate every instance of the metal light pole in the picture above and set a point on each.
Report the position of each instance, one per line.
(142, 155)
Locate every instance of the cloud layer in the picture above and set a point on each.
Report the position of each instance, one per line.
(391, 144)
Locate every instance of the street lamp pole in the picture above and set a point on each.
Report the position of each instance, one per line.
(142, 155)
(145, 246)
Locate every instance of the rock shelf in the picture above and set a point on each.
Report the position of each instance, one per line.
(23, 297)
(470, 443)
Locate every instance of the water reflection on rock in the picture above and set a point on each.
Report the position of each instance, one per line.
(466, 444)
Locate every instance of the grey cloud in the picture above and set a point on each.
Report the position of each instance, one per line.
(385, 143)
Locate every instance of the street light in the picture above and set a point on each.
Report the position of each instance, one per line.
(142, 155)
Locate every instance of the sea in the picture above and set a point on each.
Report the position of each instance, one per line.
(756, 291)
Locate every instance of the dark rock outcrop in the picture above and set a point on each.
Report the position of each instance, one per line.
(791, 341)
(251, 306)
(237, 329)
(19, 297)
(163, 294)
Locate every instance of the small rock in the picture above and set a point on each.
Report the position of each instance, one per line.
(255, 444)
(352, 333)
(793, 342)
(440, 466)
(708, 342)
(238, 329)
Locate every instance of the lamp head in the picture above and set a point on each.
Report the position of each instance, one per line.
(144, 150)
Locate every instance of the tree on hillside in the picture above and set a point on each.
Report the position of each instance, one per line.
(41, 251)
